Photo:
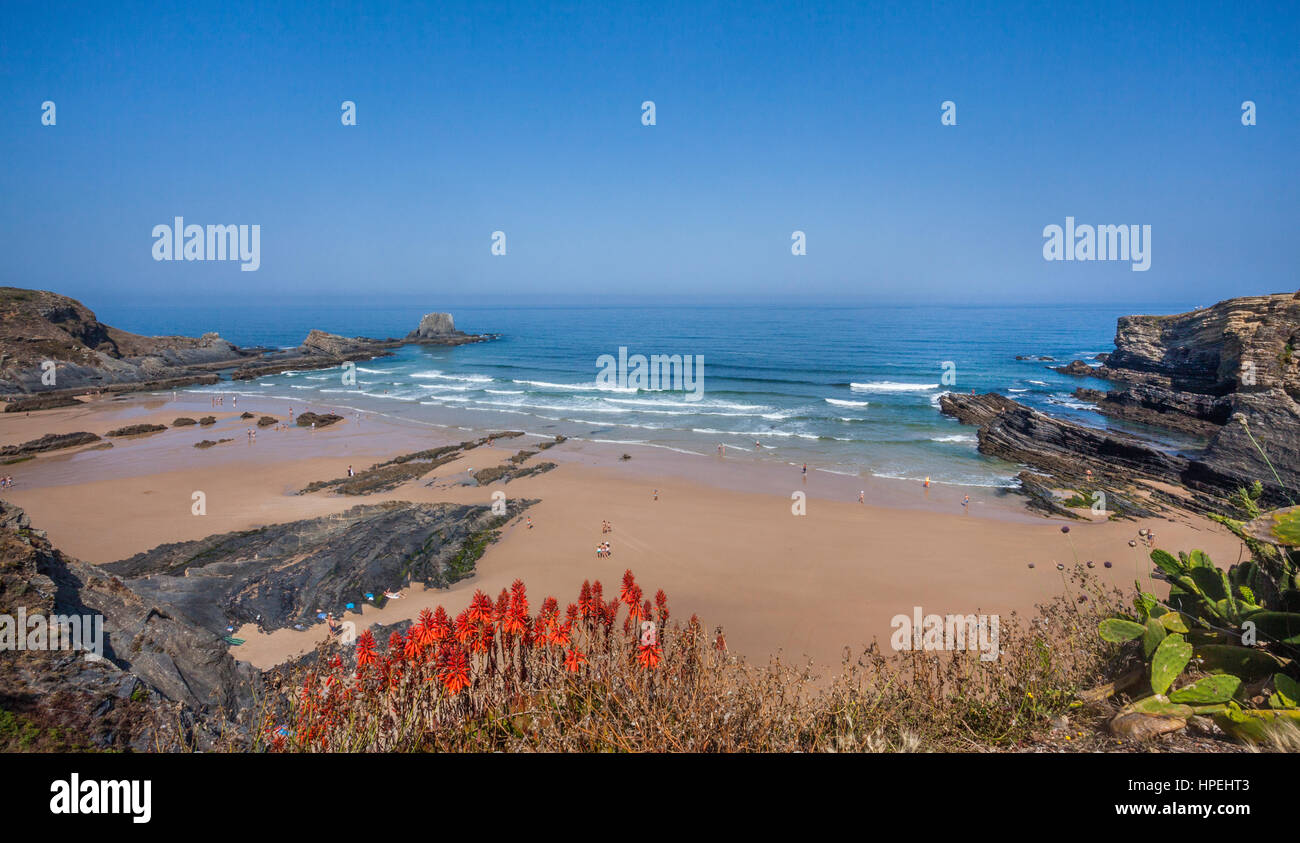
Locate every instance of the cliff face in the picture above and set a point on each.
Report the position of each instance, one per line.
(1228, 373)
(1217, 350)
(162, 681)
(36, 326)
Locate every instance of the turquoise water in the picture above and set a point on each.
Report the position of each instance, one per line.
(852, 390)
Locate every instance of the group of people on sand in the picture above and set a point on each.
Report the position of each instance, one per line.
(7, 481)
(603, 550)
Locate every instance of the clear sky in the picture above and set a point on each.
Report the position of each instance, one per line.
(771, 118)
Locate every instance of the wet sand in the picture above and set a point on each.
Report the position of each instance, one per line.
(722, 540)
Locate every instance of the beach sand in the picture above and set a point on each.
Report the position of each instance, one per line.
(721, 540)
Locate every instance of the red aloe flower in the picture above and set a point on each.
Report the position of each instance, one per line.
(412, 648)
(366, 652)
(584, 599)
(573, 661)
(502, 606)
(453, 667)
(661, 602)
(480, 608)
(597, 595)
(464, 627)
(425, 631)
(571, 613)
(516, 622)
(440, 628)
(649, 656)
(482, 639)
(629, 583)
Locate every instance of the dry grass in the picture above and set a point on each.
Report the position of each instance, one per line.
(589, 679)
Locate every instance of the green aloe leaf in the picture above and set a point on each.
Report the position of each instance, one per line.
(1170, 658)
(1209, 690)
(1118, 630)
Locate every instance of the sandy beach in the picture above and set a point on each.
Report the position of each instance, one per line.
(721, 539)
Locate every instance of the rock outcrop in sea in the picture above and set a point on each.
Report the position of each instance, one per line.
(38, 328)
(1228, 374)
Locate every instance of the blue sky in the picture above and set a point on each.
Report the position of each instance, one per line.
(526, 118)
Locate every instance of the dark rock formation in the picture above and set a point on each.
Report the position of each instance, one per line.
(162, 683)
(434, 325)
(136, 429)
(207, 420)
(40, 402)
(1077, 368)
(1228, 373)
(38, 326)
(49, 442)
(1073, 455)
(318, 419)
(183, 421)
(1066, 450)
(388, 475)
(267, 421)
(208, 443)
(283, 574)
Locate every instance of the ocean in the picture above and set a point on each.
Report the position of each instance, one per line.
(851, 390)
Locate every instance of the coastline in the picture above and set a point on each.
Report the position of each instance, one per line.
(721, 540)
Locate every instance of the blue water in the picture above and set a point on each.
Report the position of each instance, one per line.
(853, 390)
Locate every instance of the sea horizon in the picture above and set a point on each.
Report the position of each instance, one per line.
(850, 390)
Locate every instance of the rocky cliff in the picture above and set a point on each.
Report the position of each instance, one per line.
(38, 326)
(163, 683)
(1229, 373)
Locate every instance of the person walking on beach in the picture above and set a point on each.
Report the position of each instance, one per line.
(530, 522)
(350, 471)
(965, 503)
(805, 472)
(862, 496)
(656, 494)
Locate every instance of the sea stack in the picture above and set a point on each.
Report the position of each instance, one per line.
(435, 325)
